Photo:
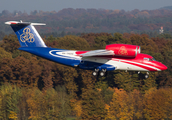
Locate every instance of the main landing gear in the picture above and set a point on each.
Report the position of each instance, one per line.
(101, 73)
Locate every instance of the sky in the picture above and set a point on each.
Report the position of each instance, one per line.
(57, 5)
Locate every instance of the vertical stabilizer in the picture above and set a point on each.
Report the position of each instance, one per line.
(27, 34)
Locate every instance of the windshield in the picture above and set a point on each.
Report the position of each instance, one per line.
(153, 59)
(149, 59)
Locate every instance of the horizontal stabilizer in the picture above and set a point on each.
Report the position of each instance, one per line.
(22, 23)
(97, 53)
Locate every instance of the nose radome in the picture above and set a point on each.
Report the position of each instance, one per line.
(163, 67)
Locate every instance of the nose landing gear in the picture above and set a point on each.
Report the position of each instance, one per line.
(145, 76)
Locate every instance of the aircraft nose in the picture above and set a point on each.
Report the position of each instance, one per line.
(163, 67)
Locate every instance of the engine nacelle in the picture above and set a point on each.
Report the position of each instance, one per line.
(124, 50)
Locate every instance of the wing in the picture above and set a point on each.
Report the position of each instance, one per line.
(97, 53)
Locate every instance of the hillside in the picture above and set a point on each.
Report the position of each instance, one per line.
(167, 8)
(73, 21)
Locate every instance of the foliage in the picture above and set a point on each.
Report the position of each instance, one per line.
(158, 104)
(92, 105)
(10, 101)
(27, 82)
(73, 21)
(121, 106)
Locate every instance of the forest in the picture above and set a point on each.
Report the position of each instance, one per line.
(76, 21)
(34, 88)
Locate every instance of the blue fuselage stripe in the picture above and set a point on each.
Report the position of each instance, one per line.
(53, 55)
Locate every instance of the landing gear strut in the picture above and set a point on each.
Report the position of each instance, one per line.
(95, 72)
(102, 72)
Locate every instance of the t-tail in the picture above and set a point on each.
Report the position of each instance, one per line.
(27, 34)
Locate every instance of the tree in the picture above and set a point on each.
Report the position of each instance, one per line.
(64, 102)
(121, 106)
(10, 101)
(20, 71)
(72, 42)
(93, 107)
(158, 104)
(46, 73)
(123, 80)
(10, 43)
(68, 76)
(36, 104)
(4, 54)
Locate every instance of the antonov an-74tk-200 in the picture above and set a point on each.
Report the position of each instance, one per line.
(113, 57)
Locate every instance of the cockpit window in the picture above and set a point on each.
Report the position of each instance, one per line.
(147, 59)
(153, 59)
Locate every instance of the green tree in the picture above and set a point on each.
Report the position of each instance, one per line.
(4, 54)
(93, 107)
(10, 101)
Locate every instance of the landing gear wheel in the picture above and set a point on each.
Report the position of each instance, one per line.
(146, 76)
(102, 73)
(95, 73)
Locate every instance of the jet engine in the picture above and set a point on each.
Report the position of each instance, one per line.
(124, 50)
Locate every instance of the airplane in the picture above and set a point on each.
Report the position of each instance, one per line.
(114, 57)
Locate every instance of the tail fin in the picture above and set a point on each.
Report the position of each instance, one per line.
(27, 34)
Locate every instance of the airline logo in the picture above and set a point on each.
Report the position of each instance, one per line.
(27, 36)
(122, 51)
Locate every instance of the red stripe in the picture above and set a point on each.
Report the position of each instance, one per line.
(142, 66)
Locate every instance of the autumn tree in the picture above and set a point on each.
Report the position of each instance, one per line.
(158, 104)
(72, 42)
(10, 43)
(121, 106)
(46, 74)
(20, 71)
(36, 104)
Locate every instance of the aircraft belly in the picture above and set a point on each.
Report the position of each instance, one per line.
(92, 63)
(118, 64)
